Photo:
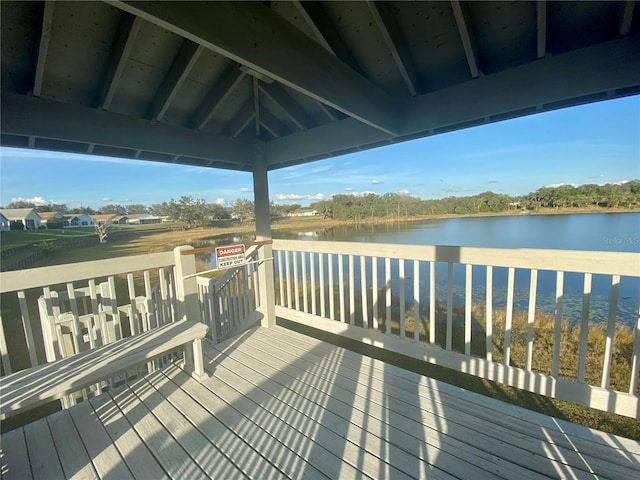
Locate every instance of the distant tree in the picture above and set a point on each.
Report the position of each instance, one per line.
(243, 209)
(137, 208)
(102, 230)
(114, 209)
(21, 204)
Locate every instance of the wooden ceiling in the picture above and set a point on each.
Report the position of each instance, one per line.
(219, 84)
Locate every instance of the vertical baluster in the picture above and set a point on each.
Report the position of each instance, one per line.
(305, 299)
(256, 288)
(312, 266)
(51, 327)
(332, 296)
(98, 319)
(26, 325)
(509, 316)
(611, 330)
(341, 287)
(467, 308)
(416, 300)
(432, 302)
(164, 298)
(363, 288)
(557, 327)
(387, 286)
(584, 328)
(133, 318)
(635, 359)
(296, 284)
(4, 352)
(533, 285)
(288, 278)
(352, 293)
(111, 283)
(489, 314)
(402, 299)
(323, 307)
(281, 277)
(77, 329)
(150, 320)
(449, 305)
(374, 293)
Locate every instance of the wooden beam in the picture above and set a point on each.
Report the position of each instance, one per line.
(125, 38)
(318, 35)
(242, 119)
(175, 77)
(541, 13)
(31, 116)
(573, 77)
(224, 86)
(256, 106)
(386, 23)
(468, 42)
(271, 124)
(292, 110)
(626, 16)
(257, 37)
(45, 38)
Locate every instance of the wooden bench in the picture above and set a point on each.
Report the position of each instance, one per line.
(51, 381)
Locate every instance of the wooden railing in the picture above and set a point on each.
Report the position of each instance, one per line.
(227, 301)
(375, 293)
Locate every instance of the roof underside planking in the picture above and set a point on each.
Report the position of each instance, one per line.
(219, 84)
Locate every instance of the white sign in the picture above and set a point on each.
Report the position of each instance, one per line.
(230, 256)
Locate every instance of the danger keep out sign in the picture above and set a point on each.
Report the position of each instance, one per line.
(230, 256)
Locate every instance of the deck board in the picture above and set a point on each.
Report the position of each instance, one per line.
(278, 404)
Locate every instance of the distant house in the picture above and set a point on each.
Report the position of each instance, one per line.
(120, 220)
(4, 223)
(304, 212)
(78, 220)
(103, 218)
(52, 218)
(29, 218)
(144, 219)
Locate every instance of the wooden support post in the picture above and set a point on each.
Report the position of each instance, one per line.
(266, 278)
(186, 289)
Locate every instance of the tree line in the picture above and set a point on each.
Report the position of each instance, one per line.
(195, 212)
(393, 205)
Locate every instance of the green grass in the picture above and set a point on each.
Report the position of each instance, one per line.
(20, 238)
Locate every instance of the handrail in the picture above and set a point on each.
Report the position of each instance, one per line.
(373, 293)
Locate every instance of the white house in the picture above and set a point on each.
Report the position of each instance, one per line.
(28, 216)
(143, 219)
(48, 218)
(4, 223)
(78, 220)
(304, 212)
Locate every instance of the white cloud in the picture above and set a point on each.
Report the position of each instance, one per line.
(348, 189)
(295, 196)
(105, 199)
(245, 190)
(556, 185)
(37, 200)
(405, 192)
(452, 189)
(219, 201)
(376, 182)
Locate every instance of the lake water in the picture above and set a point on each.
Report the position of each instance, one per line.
(595, 232)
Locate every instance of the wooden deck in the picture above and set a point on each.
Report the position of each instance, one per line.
(282, 405)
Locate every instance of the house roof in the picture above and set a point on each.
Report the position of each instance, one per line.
(11, 213)
(224, 84)
(48, 215)
(104, 217)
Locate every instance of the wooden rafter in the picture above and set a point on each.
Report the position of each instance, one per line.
(243, 32)
(293, 111)
(224, 86)
(178, 72)
(242, 119)
(626, 16)
(256, 106)
(45, 38)
(393, 39)
(468, 41)
(541, 14)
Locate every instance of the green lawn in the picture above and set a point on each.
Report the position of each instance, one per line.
(18, 238)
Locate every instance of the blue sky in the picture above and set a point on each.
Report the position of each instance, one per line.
(595, 143)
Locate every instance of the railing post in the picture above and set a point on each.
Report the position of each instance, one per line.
(186, 288)
(266, 278)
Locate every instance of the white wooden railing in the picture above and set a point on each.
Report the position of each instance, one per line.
(359, 290)
(229, 300)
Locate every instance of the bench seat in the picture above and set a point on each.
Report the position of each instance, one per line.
(51, 381)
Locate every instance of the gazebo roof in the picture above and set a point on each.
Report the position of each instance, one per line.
(219, 84)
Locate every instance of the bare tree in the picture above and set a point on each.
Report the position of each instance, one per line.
(102, 229)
